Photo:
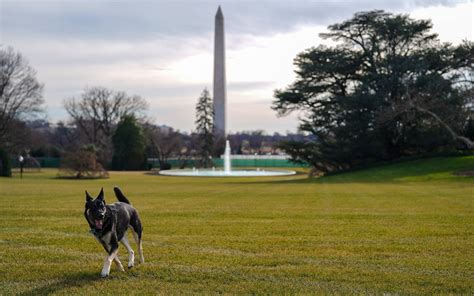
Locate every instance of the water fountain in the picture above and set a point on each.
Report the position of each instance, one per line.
(227, 163)
(227, 171)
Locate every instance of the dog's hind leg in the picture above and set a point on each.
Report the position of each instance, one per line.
(138, 239)
(131, 254)
(137, 231)
(118, 263)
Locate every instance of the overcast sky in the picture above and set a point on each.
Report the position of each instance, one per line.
(162, 50)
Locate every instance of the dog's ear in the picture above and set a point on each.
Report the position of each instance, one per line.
(101, 194)
(88, 197)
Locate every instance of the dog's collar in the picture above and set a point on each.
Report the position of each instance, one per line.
(95, 232)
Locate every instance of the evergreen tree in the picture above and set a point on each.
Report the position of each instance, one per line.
(388, 88)
(129, 145)
(204, 127)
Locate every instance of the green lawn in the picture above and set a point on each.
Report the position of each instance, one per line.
(400, 229)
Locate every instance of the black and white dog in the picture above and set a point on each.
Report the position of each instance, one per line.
(109, 224)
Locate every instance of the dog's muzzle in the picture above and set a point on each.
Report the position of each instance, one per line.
(99, 223)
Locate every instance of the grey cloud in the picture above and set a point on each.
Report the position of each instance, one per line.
(136, 20)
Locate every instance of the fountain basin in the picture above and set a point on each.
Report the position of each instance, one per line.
(228, 171)
(220, 173)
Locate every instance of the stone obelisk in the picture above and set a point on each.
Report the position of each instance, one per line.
(220, 91)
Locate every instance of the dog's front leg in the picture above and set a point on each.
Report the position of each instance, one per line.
(109, 258)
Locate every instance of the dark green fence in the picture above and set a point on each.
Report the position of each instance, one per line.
(44, 162)
(49, 162)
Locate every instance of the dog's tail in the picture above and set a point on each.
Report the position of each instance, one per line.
(120, 196)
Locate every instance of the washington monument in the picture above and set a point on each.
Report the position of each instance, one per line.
(220, 91)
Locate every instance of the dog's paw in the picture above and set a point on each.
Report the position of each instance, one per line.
(130, 266)
(104, 274)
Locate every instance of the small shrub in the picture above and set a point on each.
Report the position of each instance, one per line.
(82, 164)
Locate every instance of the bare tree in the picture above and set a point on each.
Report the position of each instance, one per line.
(20, 92)
(65, 136)
(164, 144)
(19, 137)
(97, 112)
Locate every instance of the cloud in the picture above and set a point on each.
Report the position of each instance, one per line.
(138, 20)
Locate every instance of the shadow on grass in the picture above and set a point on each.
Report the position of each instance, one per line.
(69, 280)
(438, 168)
